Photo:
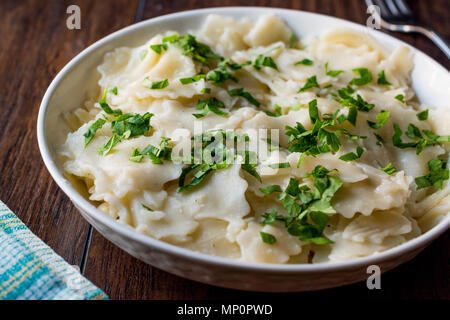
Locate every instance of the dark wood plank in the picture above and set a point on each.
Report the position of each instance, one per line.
(425, 277)
(34, 46)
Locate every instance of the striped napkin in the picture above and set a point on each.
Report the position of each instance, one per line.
(31, 270)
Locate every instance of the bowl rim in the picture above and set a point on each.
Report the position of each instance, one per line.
(187, 254)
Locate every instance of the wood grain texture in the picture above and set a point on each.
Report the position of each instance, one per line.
(35, 45)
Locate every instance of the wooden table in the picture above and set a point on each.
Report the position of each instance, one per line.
(35, 44)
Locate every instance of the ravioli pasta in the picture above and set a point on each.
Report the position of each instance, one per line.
(375, 209)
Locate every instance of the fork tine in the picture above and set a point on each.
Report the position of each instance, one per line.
(391, 6)
(385, 13)
(403, 7)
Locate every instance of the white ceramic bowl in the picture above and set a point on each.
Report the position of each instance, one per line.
(67, 91)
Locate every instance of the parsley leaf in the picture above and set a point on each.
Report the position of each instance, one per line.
(438, 174)
(212, 143)
(365, 77)
(379, 138)
(310, 83)
(124, 127)
(211, 104)
(114, 91)
(271, 189)
(159, 153)
(422, 115)
(315, 141)
(112, 142)
(280, 165)
(264, 61)
(400, 98)
(268, 238)
(382, 117)
(309, 210)
(147, 208)
(351, 155)
(156, 84)
(348, 100)
(219, 76)
(269, 217)
(276, 113)
(382, 79)
(389, 169)
(332, 73)
(306, 62)
(244, 94)
(158, 47)
(136, 156)
(105, 106)
(92, 130)
(193, 79)
(192, 48)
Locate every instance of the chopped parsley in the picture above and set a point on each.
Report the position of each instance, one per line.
(389, 169)
(379, 138)
(438, 174)
(112, 142)
(193, 79)
(282, 165)
(158, 48)
(351, 155)
(114, 91)
(105, 106)
(318, 139)
(352, 115)
(276, 113)
(422, 116)
(211, 104)
(156, 154)
(382, 117)
(264, 61)
(268, 238)
(244, 94)
(219, 76)
(147, 208)
(156, 84)
(206, 90)
(400, 98)
(305, 62)
(126, 126)
(365, 77)
(426, 138)
(382, 79)
(213, 157)
(192, 48)
(136, 156)
(308, 209)
(348, 100)
(310, 83)
(92, 130)
(332, 73)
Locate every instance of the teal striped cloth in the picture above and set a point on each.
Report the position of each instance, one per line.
(31, 270)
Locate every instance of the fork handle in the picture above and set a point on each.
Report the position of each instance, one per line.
(430, 34)
(438, 40)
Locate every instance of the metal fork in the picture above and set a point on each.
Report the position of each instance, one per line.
(397, 16)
